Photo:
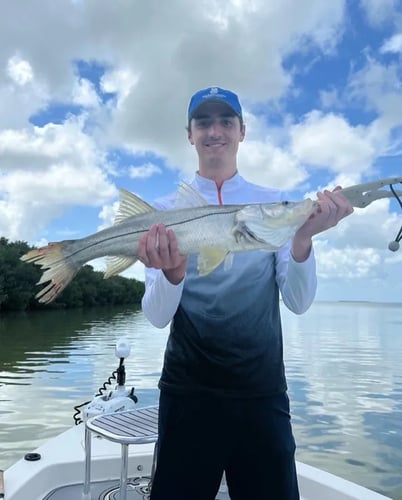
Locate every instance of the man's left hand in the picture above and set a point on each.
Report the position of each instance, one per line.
(331, 207)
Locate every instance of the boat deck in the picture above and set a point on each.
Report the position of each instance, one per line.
(137, 489)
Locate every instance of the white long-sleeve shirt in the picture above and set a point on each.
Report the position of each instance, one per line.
(296, 280)
(226, 332)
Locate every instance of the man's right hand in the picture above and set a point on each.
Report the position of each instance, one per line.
(158, 248)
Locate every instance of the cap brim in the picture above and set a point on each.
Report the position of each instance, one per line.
(211, 99)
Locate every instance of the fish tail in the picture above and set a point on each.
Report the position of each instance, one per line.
(60, 270)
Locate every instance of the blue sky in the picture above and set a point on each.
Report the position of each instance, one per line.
(94, 94)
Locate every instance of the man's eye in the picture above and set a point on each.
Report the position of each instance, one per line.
(227, 122)
(202, 123)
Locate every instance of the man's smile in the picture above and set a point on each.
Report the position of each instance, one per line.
(214, 144)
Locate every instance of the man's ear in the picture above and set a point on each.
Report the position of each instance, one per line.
(242, 132)
(189, 136)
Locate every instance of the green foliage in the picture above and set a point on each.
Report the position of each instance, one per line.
(88, 289)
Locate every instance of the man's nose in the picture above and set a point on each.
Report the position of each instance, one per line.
(215, 128)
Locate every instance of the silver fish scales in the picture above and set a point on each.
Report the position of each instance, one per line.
(213, 232)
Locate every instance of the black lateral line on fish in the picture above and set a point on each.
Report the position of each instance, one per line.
(227, 210)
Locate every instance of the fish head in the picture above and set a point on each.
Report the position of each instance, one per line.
(287, 213)
(271, 224)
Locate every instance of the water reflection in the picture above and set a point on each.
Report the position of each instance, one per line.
(343, 368)
(50, 362)
(343, 365)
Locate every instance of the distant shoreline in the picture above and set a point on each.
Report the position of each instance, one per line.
(362, 302)
(371, 302)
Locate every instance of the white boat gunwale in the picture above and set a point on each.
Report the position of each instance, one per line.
(63, 457)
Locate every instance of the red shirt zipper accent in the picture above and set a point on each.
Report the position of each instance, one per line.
(219, 189)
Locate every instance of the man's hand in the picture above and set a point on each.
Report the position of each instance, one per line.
(332, 206)
(158, 248)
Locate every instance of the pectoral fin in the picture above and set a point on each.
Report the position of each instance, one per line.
(209, 258)
(228, 263)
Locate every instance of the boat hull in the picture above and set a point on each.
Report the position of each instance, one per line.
(60, 471)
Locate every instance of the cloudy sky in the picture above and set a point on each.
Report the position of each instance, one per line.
(93, 97)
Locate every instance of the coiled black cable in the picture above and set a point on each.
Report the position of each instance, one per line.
(78, 420)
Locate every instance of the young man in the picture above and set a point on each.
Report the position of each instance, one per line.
(223, 400)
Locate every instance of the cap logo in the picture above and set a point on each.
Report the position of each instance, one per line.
(214, 94)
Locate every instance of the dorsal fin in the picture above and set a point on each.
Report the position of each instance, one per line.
(130, 205)
(187, 196)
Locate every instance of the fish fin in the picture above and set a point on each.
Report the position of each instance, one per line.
(59, 270)
(130, 205)
(209, 258)
(187, 196)
(118, 264)
(228, 262)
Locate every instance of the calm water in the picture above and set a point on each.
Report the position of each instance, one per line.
(344, 367)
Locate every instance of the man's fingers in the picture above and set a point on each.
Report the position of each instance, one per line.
(333, 207)
(158, 248)
(343, 205)
(172, 241)
(152, 239)
(163, 247)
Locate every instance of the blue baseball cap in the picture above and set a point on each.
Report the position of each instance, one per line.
(214, 94)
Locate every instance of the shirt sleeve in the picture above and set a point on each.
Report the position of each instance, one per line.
(297, 281)
(161, 298)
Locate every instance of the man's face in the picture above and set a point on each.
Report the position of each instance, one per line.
(215, 131)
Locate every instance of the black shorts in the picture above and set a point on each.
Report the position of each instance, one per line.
(250, 439)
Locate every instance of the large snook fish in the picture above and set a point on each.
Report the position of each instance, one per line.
(212, 232)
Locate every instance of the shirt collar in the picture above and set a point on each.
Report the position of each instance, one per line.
(204, 184)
